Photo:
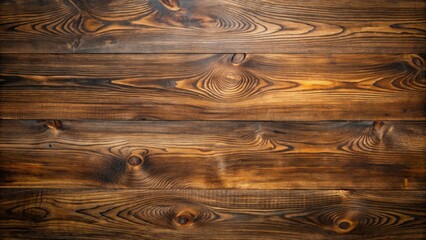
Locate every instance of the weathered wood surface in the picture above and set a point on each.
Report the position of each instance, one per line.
(305, 87)
(204, 26)
(213, 155)
(212, 214)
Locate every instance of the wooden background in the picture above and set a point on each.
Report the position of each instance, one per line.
(225, 119)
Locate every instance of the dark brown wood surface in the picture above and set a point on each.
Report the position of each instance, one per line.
(213, 155)
(213, 119)
(305, 87)
(205, 26)
(212, 214)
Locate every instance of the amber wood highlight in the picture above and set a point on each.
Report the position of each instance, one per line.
(212, 214)
(205, 26)
(213, 119)
(213, 155)
(305, 87)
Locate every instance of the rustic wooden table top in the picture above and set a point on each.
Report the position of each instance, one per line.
(201, 119)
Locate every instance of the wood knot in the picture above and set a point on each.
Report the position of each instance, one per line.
(231, 84)
(35, 213)
(76, 43)
(172, 5)
(379, 129)
(53, 124)
(134, 160)
(378, 125)
(345, 226)
(417, 62)
(238, 58)
(184, 218)
(92, 25)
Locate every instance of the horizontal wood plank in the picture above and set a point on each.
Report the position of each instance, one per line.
(213, 155)
(305, 87)
(212, 214)
(204, 26)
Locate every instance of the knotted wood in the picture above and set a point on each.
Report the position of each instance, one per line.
(202, 119)
(305, 87)
(213, 155)
(204, 26)
(212, 214)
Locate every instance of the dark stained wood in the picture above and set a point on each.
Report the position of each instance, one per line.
(212, 214)
(263, 119)
(205, 26)
(213, 155)
(213, 86)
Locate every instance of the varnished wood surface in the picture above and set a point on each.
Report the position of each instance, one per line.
(305, 87)
(204, 26)
(213, 119)
(213, 155)
(212, 214)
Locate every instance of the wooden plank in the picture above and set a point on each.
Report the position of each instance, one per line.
(213, 87)
(204, 26)
(212, 214)
(213, 155)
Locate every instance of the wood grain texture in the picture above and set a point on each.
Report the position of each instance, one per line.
(305, 87)
(213, 155)
(204, 26)
(212, 214)
(264, 119)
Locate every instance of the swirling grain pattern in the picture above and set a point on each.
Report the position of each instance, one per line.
(306, 87)
(213, 155)
(186, 26)
(213, 119)
(216, 214)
